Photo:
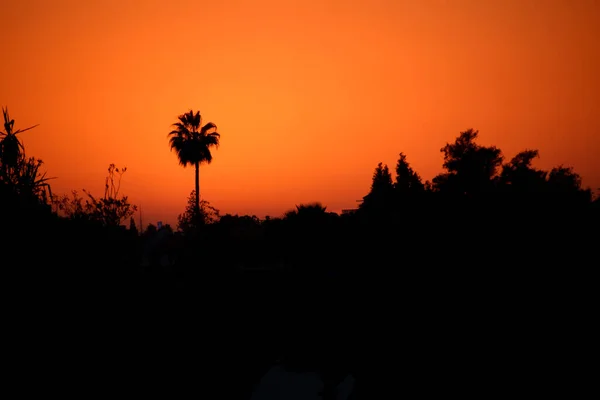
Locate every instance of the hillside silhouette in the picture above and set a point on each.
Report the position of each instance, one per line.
(476, 282)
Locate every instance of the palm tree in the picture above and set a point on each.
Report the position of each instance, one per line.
(192, 142)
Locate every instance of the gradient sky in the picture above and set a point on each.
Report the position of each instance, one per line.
(308, 95)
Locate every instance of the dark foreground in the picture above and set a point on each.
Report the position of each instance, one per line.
(172, 334)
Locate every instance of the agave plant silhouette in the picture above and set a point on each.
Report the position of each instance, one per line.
(21, 173)
(30, 181)
(11, 148)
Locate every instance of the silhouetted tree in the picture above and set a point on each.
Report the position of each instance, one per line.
(525, 185)
(564, 183)
(192, 142)
(249, 219)
(407, 180)
(471, 167)
(381, 194)
(519, 176)
(192, 218)
(310, 212)
(564, 179)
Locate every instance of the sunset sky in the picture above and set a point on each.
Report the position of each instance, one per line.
(308, 95)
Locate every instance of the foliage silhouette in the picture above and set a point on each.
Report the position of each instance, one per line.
(307, 212)
(519, 176)
(11, 148)
(471, 168)
(454, 278)
(192, 142)
(194, 218)
(407, 180)
(20, 176)
(380, 197)
(110, 210)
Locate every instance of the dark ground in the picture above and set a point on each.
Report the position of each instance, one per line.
(215, 336)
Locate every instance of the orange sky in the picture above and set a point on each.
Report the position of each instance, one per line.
(308, 95)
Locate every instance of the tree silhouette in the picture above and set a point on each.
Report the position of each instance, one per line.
(194, 217)
(192, 142)
(382, 189)
(564, 179)
(480, 256)
(307, 212)
(471, 167)
(519, 178)
(565, 184)
(407, 180)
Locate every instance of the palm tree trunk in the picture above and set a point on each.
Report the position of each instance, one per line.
(197, 165)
